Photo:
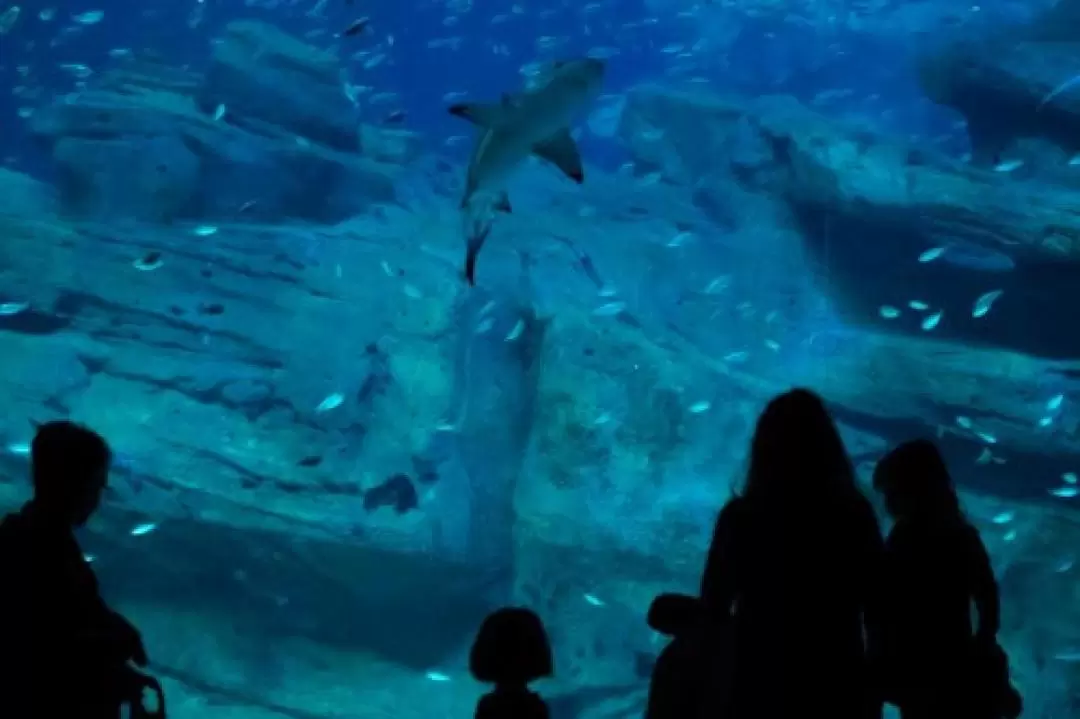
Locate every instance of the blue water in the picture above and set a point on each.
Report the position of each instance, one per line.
(570, 425)
(766, 54)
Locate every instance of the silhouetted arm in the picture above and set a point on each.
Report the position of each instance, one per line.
(719, 582)
(875, 611)
(984, 589)
(874, 598)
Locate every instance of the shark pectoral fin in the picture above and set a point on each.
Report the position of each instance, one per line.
(478, 113)
(561, 150)
(502, 204)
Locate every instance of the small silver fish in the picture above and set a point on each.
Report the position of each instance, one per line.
(7, 309)
(932, 254)
(332, 401)
(609, 309)
(932, 321)
(1008, 166)
(515, 331)
(985, 302)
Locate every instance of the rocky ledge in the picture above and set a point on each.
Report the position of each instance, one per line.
(884, 223)
(1016, 87)
(266, 134)
(330, 419)
(325, 428)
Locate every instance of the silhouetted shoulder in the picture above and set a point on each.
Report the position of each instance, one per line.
(866, 526)
(522, 704)
(731, 515)
(720, 577)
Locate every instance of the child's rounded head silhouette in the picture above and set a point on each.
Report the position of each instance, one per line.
(512, 647)
(914, 480)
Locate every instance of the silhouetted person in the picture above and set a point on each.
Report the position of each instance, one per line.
(64, 653)
(937, 665)
(511, 650)
(793, 563)
(686, 679)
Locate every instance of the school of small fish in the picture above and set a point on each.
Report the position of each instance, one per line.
(689, 54)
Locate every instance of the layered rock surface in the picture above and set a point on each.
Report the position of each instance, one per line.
(268, 133)
(866, 208)
(207, 373)
(268, 387)
(1016, 88)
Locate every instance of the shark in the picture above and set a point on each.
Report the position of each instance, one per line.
(535, 121)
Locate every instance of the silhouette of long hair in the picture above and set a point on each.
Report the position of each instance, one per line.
(916, 482)
(797, 450)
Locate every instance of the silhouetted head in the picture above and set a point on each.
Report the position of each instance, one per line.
(70, 468)
(511, 647)
(797, 450)
(578, 79)
(914, 481)
(675, 614)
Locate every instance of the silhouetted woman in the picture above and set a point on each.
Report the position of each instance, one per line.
(793, 561)
(936, 566)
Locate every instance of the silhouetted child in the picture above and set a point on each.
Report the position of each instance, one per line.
(691, 673)
(936, 566)
(511, 650)
(64, 652)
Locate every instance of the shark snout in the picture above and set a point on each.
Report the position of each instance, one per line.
(585, 74)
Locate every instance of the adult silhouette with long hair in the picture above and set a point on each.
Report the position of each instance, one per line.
(793, 565)
(937, 665)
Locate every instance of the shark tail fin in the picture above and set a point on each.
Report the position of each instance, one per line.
(474, 244)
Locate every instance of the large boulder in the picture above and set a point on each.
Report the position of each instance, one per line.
(889, 223)
(350, 456)
(23, 195)
(137, 145)
(259, 73)
(152, 177)
(1013, 85)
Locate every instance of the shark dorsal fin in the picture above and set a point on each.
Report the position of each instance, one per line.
(561, 150)
(479, 113)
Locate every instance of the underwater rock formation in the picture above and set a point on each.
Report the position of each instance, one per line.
(259, 383)
(268, 134)
(332, 411)
(1014, 85)
(889, 223)
(23, 195)
(262, 74)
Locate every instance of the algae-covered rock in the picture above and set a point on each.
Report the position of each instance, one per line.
(262, 382)
(865, 207)
(137, 144)
(23, 195)
(1008, 88)
(155, 178)
(258, 72)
